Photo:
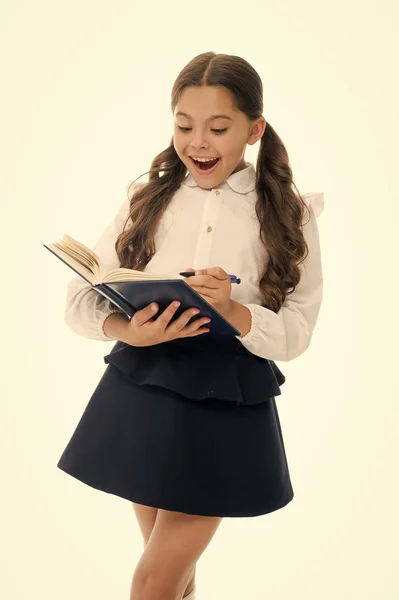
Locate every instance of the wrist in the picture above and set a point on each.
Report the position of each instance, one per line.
(115, 326)
(240, 317)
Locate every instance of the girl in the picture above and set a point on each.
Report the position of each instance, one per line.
(182, 424)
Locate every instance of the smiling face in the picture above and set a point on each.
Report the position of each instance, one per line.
(198, 133)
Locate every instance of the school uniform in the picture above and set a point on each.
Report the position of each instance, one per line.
(192, 425)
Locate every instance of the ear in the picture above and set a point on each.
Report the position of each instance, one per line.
(257, 130)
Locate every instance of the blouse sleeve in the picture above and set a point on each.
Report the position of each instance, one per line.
(86, 309)
(286, 334)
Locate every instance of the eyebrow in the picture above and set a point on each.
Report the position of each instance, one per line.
(210, 118)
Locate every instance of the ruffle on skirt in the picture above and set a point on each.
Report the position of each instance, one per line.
(198, 369)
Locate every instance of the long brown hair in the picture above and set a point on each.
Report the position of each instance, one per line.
(279, 209)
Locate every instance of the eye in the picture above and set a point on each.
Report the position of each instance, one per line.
(217, 131)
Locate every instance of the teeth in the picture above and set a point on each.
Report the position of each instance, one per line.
(203, 159)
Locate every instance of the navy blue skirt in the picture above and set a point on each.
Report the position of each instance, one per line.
(190, 425)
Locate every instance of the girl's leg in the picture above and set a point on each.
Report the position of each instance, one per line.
(173, 548)
(146, 517)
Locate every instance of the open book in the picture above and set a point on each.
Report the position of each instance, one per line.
(132, 290)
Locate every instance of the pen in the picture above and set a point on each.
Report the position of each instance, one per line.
(233, 278)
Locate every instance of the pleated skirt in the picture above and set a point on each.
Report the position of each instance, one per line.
(190, 426)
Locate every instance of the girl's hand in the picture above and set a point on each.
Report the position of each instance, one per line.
(214, 286)
(145, 329)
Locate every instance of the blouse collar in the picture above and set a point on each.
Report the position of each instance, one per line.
(242, 181)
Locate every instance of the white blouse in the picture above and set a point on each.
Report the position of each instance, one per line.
(217, 227)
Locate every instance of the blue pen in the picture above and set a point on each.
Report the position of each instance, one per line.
(233, 278)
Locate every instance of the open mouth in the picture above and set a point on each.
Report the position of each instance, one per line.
(205, 168)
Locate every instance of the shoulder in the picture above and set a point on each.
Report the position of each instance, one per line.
(131, 189)
(314, 201)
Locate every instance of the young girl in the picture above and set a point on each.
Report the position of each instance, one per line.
(184, 424)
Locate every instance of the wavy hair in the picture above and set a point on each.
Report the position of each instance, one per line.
(279, 209)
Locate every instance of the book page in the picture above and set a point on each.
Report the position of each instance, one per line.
(86, 260)
(122, 274)
(81, 253)
(75, 264)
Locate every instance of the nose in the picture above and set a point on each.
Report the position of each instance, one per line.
(199, 140)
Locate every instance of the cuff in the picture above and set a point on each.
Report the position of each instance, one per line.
(252, 334)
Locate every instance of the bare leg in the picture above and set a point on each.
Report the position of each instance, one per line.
(146, 517)
(176, 543)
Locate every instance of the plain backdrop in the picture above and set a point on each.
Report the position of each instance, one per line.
(85, 95)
